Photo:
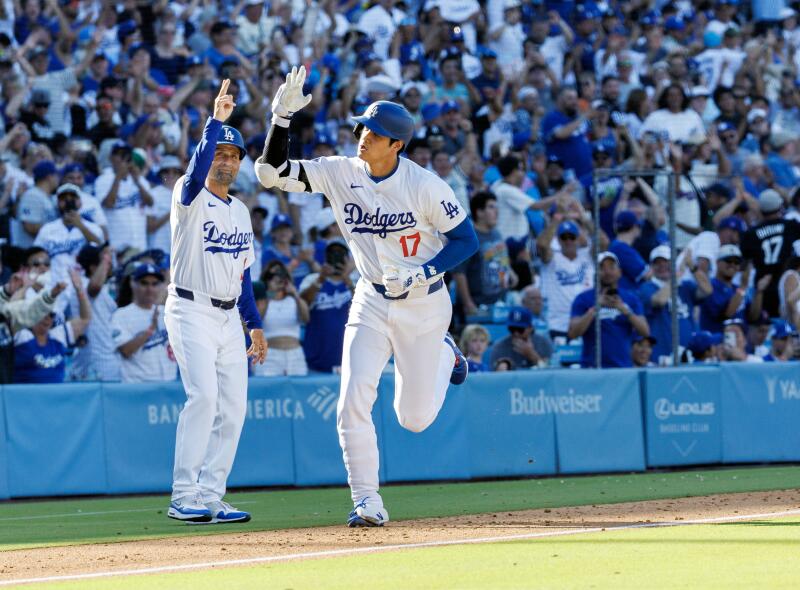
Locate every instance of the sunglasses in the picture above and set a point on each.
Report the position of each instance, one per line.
(149, 283)
(736, 261)
(568, 238)
(39, 263)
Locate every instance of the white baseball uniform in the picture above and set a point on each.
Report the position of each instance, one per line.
(212, 246)
(153, 362)
(394, 221)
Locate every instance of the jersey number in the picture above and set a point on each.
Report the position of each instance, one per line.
(772, 248)
(415, 240)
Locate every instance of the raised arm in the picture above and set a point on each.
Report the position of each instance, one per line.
(273, 168)
(199, 165)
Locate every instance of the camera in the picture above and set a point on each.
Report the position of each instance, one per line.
(611, 292)
(70, 204)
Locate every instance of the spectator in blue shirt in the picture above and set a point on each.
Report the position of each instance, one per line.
(656, 299)
(620, 313)
(782, 343)
(726, 300)
(634, 269)
(522, 347)
(474, 342)
(781, 160)
(328, 294)
(564, 132)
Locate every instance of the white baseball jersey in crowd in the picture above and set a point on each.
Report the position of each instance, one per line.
(212, 245)
(562, 280)
(397, 220)
(153, 361)
(127, 224)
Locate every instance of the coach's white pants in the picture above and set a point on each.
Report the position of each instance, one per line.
(413, 330)
(208, 343)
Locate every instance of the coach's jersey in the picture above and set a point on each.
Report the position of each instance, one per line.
(769, 245)
(397, 220)
(212, 243)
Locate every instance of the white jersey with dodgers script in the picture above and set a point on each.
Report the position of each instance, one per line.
(395, 221)
(212, 243)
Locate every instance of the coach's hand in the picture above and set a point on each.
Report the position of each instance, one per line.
(399, 280)
(289, 99)
(258, 347)
(223, 104)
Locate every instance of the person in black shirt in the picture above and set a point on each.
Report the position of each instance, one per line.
(769, 244)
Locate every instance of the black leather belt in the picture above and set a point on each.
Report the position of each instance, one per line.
(432, 288)
(186, 294)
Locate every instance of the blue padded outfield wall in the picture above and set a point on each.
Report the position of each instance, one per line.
(108, 439)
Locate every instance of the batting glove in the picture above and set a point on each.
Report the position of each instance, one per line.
(399, 280)
(289, 99)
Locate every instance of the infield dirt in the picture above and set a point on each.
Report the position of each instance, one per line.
(237, 543)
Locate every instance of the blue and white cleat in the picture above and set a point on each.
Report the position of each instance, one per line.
(222, 512)
(189, 509)
(366, 514)
(460, 367)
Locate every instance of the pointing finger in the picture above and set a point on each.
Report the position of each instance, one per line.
(224, 88)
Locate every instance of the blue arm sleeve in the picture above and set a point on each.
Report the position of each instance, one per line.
(247, 303)
(201, 162)
(463, 243)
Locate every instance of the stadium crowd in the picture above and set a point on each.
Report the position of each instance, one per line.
(518, 105)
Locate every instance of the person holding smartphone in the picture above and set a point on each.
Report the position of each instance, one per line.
(328, 295)
(284, 315)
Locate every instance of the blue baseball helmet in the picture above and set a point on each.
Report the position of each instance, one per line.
(230, 136)
(388, 119)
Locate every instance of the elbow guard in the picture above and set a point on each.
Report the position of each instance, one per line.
(282, 177)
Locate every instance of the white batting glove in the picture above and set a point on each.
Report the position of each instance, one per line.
(399, 280)
(289, 99)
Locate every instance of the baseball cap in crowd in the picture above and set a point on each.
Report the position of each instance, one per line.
(661, 251)
(519, 317)
(721, 189)
(169, 163)
(324, 138)
(527, 91)
(702, 341)
(553, 159)
(486, 53)
(712, 39)
(449, 107)
(625, 220)
(72, 167)
(724, 126)
(770, 201)
(43, 169)
(697, 91)
(756, 114)
(568, 227)
(281, 220)
(733, 223)
(651, 18)
(409, 86)
(456, 35)
(40, 97)
(638, 338)
(121, 147)
(603, 256)
(782, 329)
(431, 111)
(68, 188)
(674, 23)
(144, 270)
(220, 26)
(729, 251)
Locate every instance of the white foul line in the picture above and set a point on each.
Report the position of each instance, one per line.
(383, 548)
(95, 513)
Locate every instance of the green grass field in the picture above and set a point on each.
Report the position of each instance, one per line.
(742, 554)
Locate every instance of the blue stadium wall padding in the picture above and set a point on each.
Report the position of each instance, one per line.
(509, 435)
(3, 450)
(683, 416)
(140, 422)
(266, 451)
(439, 452)
(598, 420)
(55, 439)
(760, 412)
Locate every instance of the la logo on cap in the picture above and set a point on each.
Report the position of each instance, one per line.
(228, 134)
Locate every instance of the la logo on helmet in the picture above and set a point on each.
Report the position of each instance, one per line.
(228, 134)
(373, 110)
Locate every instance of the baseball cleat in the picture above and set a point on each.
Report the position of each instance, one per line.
(189, 509)
(367, 515)
(460, 367)
(222, 512)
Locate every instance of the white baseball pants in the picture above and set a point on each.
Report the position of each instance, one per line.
(208, 343)
(413, 330)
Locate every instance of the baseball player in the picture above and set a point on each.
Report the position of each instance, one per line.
(212, 250)
(392, 214)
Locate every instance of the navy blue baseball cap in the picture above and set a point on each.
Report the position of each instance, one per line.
(702, 341)
(733, 223)
(486, 53)
(144, 270)
(281, 220)
(449, 107)
(675, 24)
(724, 126)
(783, 329)
(519, 317)
(721, 189)
(72, 167)
(230, 136)
(568, 227)
(625, 220)
(651, 18)
(43, 169)
(638, 338)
